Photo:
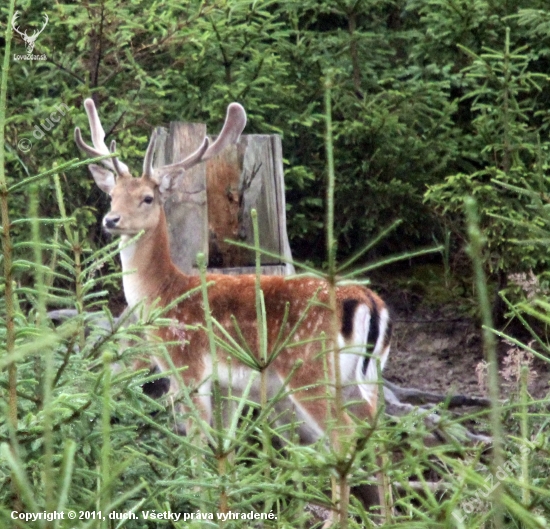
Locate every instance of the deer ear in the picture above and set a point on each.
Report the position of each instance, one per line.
(166, 178)
(166, 182)
(104, 179)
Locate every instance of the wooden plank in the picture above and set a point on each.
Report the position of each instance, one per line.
(262, 182)
(279, 186)
(186, 208)
(258, 194)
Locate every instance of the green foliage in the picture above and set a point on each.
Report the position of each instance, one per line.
(504, 95)
(419, 95)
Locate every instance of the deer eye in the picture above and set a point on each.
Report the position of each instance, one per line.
(148, 199)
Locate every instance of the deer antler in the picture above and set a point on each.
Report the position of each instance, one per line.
(16, 29)
(98, 139)
(34, 36)
(235, 121)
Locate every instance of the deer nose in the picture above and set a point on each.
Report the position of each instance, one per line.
(111, 221)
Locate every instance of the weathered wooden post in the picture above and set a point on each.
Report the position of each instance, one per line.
(211, 203)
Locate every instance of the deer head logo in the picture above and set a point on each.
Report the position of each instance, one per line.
(29, 40)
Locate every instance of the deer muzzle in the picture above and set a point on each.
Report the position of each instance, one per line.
(111, 221)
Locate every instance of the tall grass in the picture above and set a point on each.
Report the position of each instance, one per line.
(9, 296)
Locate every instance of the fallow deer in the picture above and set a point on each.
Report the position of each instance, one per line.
(150, 277)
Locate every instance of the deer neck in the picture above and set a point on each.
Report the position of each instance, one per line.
(146, 264)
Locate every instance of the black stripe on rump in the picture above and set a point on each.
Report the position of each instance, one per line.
(388, 333)
(374, 332)
(348, 312)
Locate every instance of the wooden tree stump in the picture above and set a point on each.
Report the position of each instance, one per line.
(211, 203)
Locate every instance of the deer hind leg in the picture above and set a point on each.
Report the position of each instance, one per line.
(376, 334)
(370, 328)
(371, 332)
(314, 401)
(318, 410)
(364, 350)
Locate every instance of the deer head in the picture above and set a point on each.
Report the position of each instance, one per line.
(29, 40)
(136, 202)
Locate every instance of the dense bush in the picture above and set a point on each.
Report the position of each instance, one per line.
(418, 98)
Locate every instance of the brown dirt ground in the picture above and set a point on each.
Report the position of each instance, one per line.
(439, 349)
